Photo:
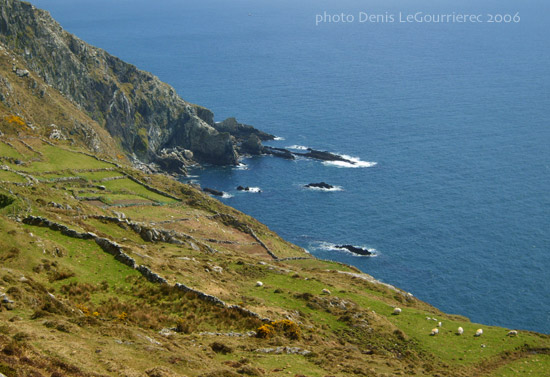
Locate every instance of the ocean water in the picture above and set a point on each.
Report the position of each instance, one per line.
(451, 122)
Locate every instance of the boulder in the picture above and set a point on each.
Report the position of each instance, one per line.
(55, 133)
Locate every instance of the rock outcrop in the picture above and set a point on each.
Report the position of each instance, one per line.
(240, 131)
(212, 191)
(135, 107)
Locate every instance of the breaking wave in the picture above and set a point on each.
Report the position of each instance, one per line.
(298, 147)
(355, 162)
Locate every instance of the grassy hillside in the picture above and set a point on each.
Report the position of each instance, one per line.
(75, 307)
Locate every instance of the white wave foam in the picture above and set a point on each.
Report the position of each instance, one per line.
(297, 147)
(252, 189)
(334, 188)
(356, 162)
(332, 247)
(241, 166)
(278, 138)
(226, 195)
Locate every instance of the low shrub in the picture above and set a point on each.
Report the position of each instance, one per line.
(283, 327)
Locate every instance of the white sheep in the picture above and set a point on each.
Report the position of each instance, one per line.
(397, 311)
(439, 324)
(513, 333)
(326, 291)
(259, 284)
(434, 332)
(478, 332)
(460, 331)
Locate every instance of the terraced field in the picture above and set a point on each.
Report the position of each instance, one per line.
(107, 271)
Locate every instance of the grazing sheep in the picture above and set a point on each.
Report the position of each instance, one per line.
(460, 331)
(259, 284)
(478, 332)
(513, 333)
(396, 311)
(439, 324)
(434, 331)
(326, 291)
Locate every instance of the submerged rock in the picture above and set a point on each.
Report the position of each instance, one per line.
(354, 249)
(279, 152)
(324, 156)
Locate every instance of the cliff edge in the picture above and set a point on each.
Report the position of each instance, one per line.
(144, 115)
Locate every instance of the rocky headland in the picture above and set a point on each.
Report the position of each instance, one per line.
(144, 115)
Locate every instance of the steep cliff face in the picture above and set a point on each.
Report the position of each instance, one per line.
(142, 113)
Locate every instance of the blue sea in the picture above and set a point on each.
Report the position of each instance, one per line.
(450, 122)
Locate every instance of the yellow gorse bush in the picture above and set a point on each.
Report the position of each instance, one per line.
(14, 119)
(283, 327)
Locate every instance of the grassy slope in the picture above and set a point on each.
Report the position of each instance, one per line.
(84, 331)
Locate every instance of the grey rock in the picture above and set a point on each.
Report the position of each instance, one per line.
(287, 350)
(55, 133)
(173, 160)
(252, 145)
(21, 72)
(167, 332)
